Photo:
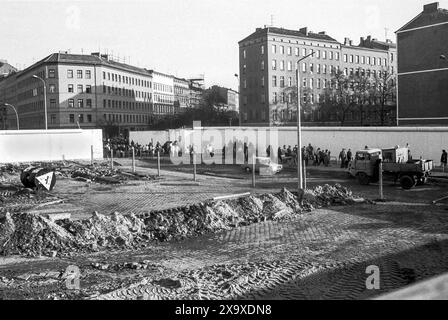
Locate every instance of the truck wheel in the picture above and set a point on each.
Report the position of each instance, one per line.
(407, 182)
(422, 180)
(363, 178)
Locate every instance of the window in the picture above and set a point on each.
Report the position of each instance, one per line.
(345, 58)
(88, 74)
(89, 118)
(70, 88)
(52, 103)
(51, 73)
(304, 67)
(244, 54)
(311, 67)
(275, 97)
(274, 48)
(274, 81)
(52, 88)
(70, 74)
(373, 61)
(71, 103)
(52, 118)
(262, 98)
(384, 62)
(282, 50)
(262, 81)
(351, 58)
(80, 103)
(391, 57)
(72, 118)
(79, 74)
(324, 54)
(331, 55)
(311, 83)
(80, 88)
(304, 82)
(297, 51)
(368, 60)
(290, 82)
(357, 59)
(304, 52)
(363, 59)
(274, 64)
(282, 65)
(289, 65)
(104, 75)
(81, 118)
(318, 84)
(289, 51)
(318, 68)
(262, 49)
(244, 69)
(318, 54)
(282, 81)
(89, 103)
(244, 83)
(337, 56)
(324, 69)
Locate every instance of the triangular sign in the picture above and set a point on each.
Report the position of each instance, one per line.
(46, 180)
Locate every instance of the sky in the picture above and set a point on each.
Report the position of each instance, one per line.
(185, 38)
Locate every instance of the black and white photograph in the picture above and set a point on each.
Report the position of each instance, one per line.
(221, 156)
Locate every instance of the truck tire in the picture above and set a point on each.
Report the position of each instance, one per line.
(407, 182)
(363, 178)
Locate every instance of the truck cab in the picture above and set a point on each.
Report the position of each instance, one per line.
(364, 164)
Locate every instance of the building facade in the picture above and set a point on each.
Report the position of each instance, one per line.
(228, 96)
(87, 91)
(181, 94)
(423, 68)
(269, 60)
(6, 69)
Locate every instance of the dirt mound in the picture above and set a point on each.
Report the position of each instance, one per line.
(34, 235)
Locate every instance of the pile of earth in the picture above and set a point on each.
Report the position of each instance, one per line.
(33, 235)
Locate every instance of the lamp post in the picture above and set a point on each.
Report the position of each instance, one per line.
(17, 115)
(299, 126)
(239, 100)
(45, 99)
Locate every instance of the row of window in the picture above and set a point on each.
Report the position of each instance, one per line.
(80, 103)
(163, 87)
(126, 118)
(125, 79)
(373, 61)
(70, 74)
(127, 92)
(80, 118)
(125, 105)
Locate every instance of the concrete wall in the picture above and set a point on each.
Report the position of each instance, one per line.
(51, 145)
(427, 142)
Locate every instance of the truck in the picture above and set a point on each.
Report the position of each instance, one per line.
(397, 164)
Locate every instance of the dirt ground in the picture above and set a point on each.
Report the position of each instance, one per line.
(322, 254)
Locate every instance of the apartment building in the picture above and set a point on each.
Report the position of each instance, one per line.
(269, 60)
(86, 91)
(423, 68)
(181, 94)
(228, 97)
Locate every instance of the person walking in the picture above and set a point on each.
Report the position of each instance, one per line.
(443, 160)
(349, 156)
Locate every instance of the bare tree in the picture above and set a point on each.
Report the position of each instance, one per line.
(384, 93)
(283, 110)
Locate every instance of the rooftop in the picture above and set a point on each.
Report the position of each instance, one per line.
(302, 33)
(430, 15)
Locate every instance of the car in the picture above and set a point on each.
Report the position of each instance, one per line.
(263, 165)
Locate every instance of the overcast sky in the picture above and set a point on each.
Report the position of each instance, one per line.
(183, 37)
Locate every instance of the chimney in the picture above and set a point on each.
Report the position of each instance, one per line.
(304, 30)
(369, 39)
(346, 41)
(322, 33)
(361, 41)
(105, 56)
(259, 29)
(351, 43)
(431, 7)
(96, 54)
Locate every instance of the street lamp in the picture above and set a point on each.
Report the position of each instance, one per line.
(299, 127)
(239, 100)
(45, 100)
(17, 115)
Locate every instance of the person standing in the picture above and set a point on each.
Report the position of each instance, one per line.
(349, 156)
(343, 158)
(444, 159)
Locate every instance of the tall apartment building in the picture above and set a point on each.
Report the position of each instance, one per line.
(269, 59)
(423, 68)
(87, 91)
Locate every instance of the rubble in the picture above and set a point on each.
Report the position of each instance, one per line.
(33, 235)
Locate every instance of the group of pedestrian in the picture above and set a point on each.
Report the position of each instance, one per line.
(345, 157)
(286, 153)
(317, 156)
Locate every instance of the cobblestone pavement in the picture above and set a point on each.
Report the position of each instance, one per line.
(322, 255)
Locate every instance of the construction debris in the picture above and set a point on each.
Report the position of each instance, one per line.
(33, 235)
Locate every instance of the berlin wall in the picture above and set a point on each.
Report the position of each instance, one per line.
(426, 142)
(50, 145)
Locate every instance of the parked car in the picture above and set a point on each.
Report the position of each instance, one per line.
(265, 166)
